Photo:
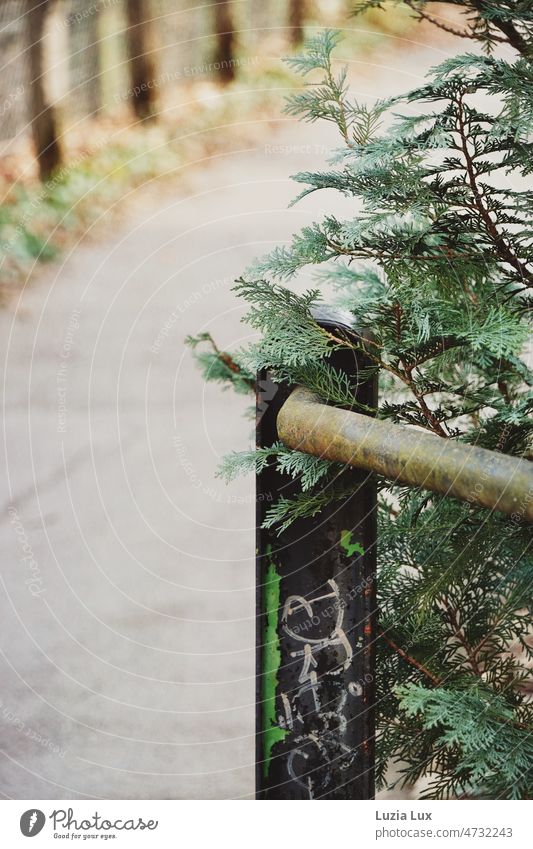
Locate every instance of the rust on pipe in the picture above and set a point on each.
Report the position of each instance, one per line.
(481, 477)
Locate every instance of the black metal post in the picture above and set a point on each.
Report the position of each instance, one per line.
(315, 624)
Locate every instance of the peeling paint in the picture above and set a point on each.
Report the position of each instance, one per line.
(272, 733)
(350, 547)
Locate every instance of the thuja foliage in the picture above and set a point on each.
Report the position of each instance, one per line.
(437, 261)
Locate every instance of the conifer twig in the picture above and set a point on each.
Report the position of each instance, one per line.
(461, 636)
(425, 16)
(512, 36)
(228, 360)
(429, 416)
(504, 251)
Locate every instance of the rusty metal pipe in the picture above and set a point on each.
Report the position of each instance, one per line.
(399, 453)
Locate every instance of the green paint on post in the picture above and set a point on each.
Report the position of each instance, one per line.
(350, 547)
(272, 733)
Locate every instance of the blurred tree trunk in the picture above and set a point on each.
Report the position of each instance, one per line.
(296, 21)
(84, 59)
(44, 125)
(225, 41)
(140, 38)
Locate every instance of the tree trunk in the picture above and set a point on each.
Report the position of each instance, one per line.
(296, 21)
(44, 124)
(141, 63)
(224, 30)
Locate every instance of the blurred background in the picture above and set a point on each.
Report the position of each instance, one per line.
(104, 95)
(145, 160)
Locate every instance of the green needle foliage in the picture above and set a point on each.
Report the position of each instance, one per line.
(309, 470)
(439, 265)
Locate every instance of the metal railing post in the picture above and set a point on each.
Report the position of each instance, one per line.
(315, 624)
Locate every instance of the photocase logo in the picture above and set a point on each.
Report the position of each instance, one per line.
(32, 822)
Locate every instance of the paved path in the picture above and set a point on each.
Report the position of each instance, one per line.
(127, 625)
